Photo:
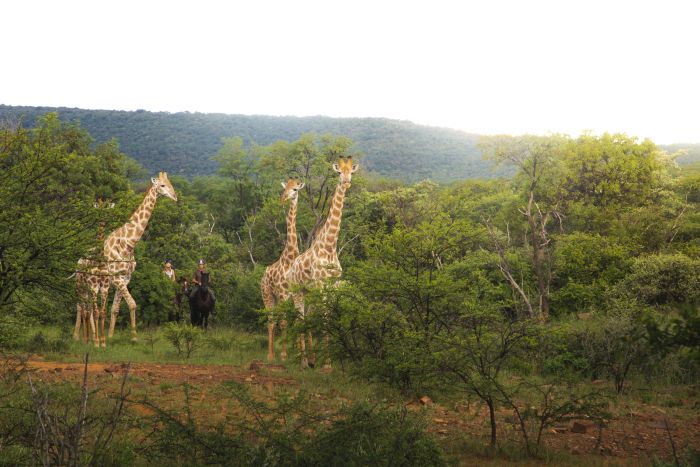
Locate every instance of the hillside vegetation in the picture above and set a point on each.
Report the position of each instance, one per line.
(182, 143)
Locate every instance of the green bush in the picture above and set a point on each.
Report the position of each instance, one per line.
(613, 345)
(586, 266)
(354, 436)
(44, 423)
(12, 329)
(40, 343)
(663, 279)
(153, 293)
(378, 436)
(185, 338)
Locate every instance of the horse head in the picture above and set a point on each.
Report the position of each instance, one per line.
(204, 286)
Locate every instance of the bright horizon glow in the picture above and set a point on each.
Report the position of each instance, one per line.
(482, 67)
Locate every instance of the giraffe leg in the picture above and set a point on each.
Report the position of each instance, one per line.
(270, 339)
(327, 363)
(87, 324)
(269, 301)
(312, 353)
(283, 338)
(103, 315)
(131, 303)
(299, 305)
(84, 320)
(116, 301)
(76, 331)
(91, 317)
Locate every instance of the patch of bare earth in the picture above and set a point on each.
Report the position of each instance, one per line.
(647, 432)
(644, 433)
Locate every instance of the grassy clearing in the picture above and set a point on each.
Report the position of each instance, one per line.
(217, 347)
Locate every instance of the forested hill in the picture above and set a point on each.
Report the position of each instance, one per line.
(182, 143)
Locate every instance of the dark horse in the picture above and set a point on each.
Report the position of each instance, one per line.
(201, 303)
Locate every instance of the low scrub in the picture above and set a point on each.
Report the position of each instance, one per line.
(358, 435)
(185, 338)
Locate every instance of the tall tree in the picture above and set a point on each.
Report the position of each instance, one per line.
(539, 182)
(49, 179)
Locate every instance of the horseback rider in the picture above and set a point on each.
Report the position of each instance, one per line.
(197, 279)
(168, 270)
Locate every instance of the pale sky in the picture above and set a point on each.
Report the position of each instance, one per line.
(485, 67)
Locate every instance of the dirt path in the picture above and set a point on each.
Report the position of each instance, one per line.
(156, 374)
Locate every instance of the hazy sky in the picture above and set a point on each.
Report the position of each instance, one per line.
(483, 67)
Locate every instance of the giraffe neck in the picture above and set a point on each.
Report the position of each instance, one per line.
(291, 247)
(328, 235)
(101, 231)
(134, 229)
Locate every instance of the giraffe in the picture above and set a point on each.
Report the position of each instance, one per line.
(320, 261)
(274, 286)
(92, 280)
(119, 248)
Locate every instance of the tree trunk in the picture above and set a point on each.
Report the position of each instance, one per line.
(540, 241)
(492, 415)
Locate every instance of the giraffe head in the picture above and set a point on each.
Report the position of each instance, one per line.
(345, 168)
(163, 186)
(102, 204)
(291, 188)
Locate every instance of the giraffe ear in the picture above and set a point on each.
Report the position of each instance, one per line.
(336, 167)
(284, 185)
(301, 185)
(154, 180)
(355, 167)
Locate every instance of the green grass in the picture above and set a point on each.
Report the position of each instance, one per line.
(218, 346)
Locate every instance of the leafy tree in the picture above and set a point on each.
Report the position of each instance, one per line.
(49, 180)
(680, 331)
(154, 293)
(539, 163)
(586, 267)
(665, 279)
(478, 352)
(615, 344)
